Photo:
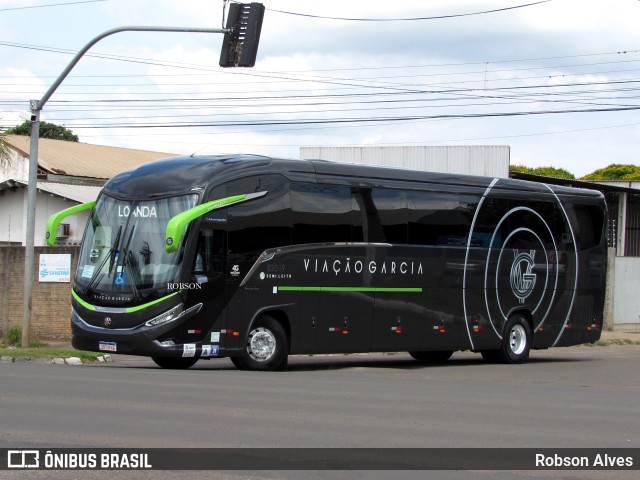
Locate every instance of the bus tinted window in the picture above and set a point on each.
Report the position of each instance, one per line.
(391, 209)
(209, 258)
(324, 213)
(540, 216)
(261, 223)
(440, 218)
(589, 222)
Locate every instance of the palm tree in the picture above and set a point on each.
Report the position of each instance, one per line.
(4, 151)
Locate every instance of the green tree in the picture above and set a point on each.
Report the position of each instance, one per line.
(615, 171)
(544, 171)
(47, 130)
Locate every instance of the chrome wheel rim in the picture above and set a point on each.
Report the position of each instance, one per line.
(261, 344)
(517, 339)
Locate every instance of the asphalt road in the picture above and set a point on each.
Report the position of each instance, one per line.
(565, 397)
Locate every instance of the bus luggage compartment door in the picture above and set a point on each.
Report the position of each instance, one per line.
(342, 322)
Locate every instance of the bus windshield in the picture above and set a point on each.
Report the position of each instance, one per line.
(123, 251)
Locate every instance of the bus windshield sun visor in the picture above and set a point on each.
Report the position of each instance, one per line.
(54, 220)
(177, 224)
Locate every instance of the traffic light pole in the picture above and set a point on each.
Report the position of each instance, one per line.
(36, 106)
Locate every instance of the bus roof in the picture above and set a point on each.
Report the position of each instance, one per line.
(179, 175)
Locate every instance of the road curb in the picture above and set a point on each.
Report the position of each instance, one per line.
(52, 361)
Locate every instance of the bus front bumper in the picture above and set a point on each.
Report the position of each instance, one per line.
(140, 340)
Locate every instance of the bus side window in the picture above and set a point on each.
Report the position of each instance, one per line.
(441, 218)
(588, 221)
(324, 213)
(209, 257)
(391, 210)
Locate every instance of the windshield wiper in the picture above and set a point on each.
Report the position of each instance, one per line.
(129, 260)
(111, 255)
(134, 269)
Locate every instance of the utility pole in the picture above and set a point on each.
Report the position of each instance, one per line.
(233, 25)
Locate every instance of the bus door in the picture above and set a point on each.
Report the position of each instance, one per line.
(207, 286)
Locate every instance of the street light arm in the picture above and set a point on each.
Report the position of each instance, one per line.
(38, 105)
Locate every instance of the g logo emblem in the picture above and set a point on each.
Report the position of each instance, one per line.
(522, 279)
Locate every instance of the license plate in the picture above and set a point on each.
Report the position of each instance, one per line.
(107, 346)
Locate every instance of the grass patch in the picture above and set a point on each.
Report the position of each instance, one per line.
(47, 352)
(10, 346)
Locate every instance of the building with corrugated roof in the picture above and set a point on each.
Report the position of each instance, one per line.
(68, 173)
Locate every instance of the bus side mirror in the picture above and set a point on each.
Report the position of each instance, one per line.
(177, 225)
(54, 220)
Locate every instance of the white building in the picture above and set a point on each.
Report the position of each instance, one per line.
(483, 160)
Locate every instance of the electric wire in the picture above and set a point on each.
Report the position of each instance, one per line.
(411, 19)
(6, 9)
(376, 90)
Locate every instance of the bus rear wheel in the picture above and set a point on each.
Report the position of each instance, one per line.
(516, 342)
(173, 363)
(432, 357)
(266, 347)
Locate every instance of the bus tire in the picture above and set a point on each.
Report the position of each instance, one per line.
(173, 363)
(266, 347)
(439, 356)
(516, 341)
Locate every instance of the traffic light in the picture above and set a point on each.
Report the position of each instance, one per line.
(240, 46)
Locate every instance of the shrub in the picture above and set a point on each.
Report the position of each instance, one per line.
(14, 335)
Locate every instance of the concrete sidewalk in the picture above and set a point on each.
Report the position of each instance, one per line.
(620, 337)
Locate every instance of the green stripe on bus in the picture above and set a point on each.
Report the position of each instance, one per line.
(351, 289)
(141, 307)
(178, 223)
(88, 306)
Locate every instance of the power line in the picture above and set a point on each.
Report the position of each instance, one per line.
(393, 95)
(421, 142)
(376, 98)
(319, 79)
(363, 68)
(75, 121)
(367, 83)
(50, 5)
(431, 91)
(225, 132)
(345, 83)
(254, 123)
(209, 68)
(438, 17)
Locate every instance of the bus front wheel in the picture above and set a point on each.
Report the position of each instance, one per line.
(266, 347)
(516, 342)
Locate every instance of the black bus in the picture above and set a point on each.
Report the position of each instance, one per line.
(256, 259)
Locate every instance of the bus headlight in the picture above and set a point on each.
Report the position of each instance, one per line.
(165, 317)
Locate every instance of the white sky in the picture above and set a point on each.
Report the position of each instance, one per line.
(319, 81)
